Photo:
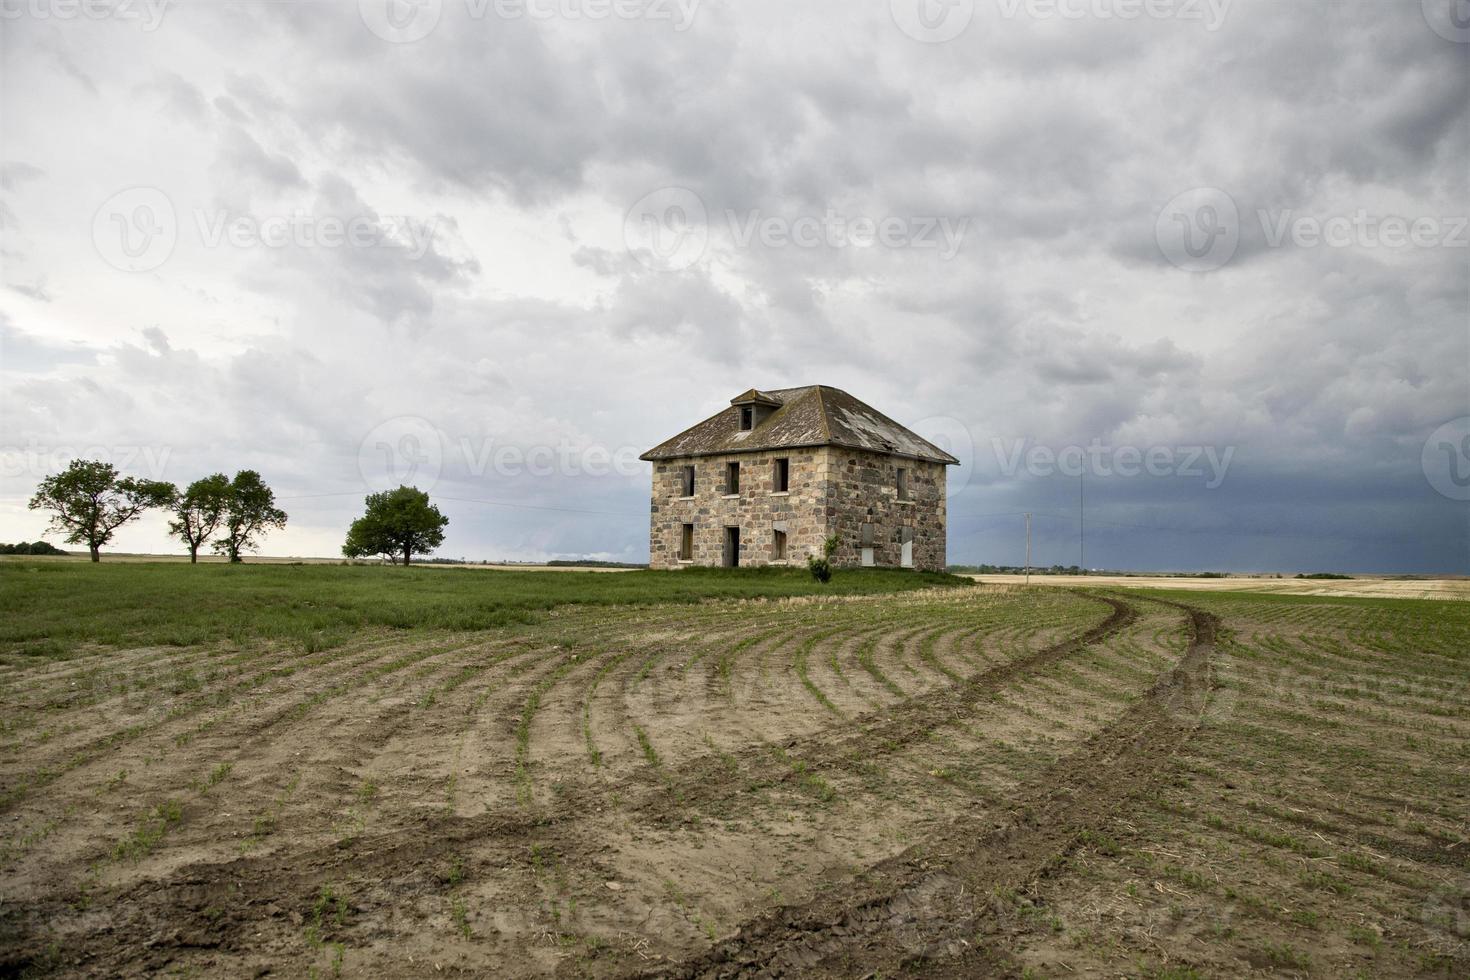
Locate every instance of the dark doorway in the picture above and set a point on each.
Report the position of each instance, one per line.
(732, 547)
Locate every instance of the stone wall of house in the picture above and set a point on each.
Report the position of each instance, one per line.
(830, 491)
(757, 509)
(862, 488)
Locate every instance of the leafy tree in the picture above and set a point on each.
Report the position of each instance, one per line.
(365, 537)
(821, 568)
(397, 522)
(250, 511)
(91, 502)
(198, 512)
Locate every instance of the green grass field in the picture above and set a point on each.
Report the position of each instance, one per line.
(49, 608)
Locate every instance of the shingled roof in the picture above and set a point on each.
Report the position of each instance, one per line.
(814, 415)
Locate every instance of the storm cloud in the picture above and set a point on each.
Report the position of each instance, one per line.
(500, 248)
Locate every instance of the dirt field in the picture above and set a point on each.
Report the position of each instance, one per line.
(987, 781)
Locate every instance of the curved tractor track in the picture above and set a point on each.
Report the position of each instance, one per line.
(937, 902)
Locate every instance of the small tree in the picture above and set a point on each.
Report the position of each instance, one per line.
(198, 512)
(91, 502)
(821, 568)
(397, 522)
(250, 511)
(366, 537)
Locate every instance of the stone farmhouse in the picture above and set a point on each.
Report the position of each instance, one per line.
(769, 479)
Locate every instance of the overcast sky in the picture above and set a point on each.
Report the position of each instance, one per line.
(1210, 255)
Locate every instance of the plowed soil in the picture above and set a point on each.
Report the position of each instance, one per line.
(988, 781)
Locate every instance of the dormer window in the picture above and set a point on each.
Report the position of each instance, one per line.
(754, 408)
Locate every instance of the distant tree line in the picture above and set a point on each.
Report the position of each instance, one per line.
(90, 501)
(34, 548)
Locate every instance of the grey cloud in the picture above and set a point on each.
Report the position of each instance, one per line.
(23, 352)
(32, 290)
(180, 96)
(1059, 319)
(242, 158)
(14, 173)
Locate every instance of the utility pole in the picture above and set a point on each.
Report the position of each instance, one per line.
(1082, 520)
(1028, 549)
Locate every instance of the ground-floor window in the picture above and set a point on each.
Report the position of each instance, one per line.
(778, 546)
(686, 542)
(868, 533)
(906, 547)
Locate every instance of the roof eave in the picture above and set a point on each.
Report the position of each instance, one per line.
(655, 456)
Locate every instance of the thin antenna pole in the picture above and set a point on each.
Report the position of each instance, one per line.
(1082, 520)
(1028, 549)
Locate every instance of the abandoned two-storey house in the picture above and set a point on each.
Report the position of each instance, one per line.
(768, 480)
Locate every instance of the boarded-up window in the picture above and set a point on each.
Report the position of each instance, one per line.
(686, 542)
(732, 477)
(781, 477)
(868, 531)
(903, 483)
(906, 547)
(778, 545)
(687, 481)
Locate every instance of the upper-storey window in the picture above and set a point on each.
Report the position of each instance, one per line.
(732, 477)
(686, 480)
(747, 417)
(781, 475)
(903, 483)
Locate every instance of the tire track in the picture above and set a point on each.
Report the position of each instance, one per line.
(934, 902)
